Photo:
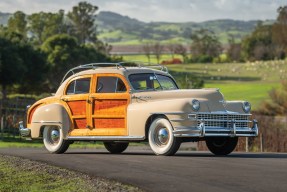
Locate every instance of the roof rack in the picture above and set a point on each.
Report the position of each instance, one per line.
(144, 64)
(117, 65)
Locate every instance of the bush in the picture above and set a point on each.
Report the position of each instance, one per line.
(172, 61)
(187, 80)
(202, 59)
(277, 102)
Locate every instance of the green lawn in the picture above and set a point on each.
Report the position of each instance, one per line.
(255, 93)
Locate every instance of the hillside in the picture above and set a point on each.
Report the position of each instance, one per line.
(117, 29)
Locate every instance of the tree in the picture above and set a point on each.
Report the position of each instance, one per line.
(44, 25)
(20, 64)
(259, 45)
(147, 51)
(17, 23)
(35, 74)
(103, 47)
(205, 43)
(234, 50)
(64, 52)
(157, 50)
(83, 17)
(11, 65)
(172, 48)
(279, 32)
(181, 50)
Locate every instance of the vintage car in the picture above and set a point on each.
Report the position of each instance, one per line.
(118, 103)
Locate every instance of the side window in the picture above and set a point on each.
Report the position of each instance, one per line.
(110, 85)
(79, 86)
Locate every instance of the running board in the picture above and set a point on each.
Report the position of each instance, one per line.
(106, 138)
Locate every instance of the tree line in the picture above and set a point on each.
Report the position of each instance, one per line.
(36, 50)
(266, 42)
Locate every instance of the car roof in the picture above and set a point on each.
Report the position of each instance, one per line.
(125, 71)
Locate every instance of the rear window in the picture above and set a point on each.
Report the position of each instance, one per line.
(79, 86)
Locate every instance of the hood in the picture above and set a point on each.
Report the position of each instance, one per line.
(211, 99)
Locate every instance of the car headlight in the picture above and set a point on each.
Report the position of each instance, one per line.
(246, 107)
(195, 104)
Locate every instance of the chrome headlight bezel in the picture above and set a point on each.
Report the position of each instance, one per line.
(246, 106)
(195, 104)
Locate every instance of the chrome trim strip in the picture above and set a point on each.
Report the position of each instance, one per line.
(57, 122)
(178, 120)
(229, 121)
(222, 113)
(169, 113)
(215, 135)
(107, 138)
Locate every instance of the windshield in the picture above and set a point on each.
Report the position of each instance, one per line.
(151, 81)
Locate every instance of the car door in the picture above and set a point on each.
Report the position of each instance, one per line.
(75, 96)
(108, 105)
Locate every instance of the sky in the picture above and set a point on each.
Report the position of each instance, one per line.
(160, 10)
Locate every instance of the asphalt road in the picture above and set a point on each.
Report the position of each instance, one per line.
(186, 171)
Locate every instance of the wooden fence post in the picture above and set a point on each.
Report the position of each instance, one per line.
(261, 143)
(246, 144)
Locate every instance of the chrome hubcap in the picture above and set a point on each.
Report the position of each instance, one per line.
(162, 136)
(55, 135)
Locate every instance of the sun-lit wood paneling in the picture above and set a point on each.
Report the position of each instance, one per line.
(109, 123)
(110, 107)
(80, 123)
(77, 107)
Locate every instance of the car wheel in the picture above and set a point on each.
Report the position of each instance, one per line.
(161, 138)
(221, 145)
(116, 148)
(53, 140)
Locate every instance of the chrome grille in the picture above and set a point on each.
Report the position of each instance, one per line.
(223, 120)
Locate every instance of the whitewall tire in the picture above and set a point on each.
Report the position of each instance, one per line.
(161, 138)
(53, 140)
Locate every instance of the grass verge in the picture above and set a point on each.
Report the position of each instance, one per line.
(19, 174)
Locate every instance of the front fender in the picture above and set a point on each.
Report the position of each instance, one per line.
(50, 115)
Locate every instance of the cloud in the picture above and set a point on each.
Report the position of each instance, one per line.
(161, 10)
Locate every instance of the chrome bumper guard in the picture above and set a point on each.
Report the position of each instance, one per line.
(202, 131)
(24, 132)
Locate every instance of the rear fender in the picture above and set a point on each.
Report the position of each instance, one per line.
(50, 115)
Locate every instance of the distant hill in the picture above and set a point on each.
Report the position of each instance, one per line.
(117, 29)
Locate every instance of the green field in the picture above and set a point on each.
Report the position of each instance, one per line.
(237, 81)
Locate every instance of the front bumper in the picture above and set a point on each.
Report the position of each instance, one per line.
(218, 125)
(24, 132)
